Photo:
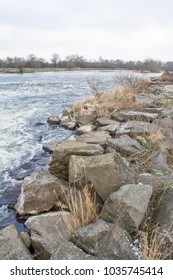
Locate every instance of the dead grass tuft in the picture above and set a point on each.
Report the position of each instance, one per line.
(155, 139)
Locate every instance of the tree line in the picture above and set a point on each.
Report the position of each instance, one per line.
(76, 61)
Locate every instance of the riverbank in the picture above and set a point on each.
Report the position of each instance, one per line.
(113, 179)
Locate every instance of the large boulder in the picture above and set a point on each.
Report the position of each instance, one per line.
(125, 145)
(136, 128)
(95, 137)
(11, 245)
(107, 172)
(69, 251)
(85, 128)
(127, 115)
(127, 206)
(49, 230)
(164, 220)
(39, 192)
(105, 241)
(60, 159)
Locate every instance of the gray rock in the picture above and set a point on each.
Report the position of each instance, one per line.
(164, 219)
(49, 147)
(158, 160)
(107, 172)
(53, 120)
(111, 128)
(127, 115)
(86, 119)
(25, 238)
(86, 128)
(50, 230)
(71, 125)
(95, 137)
(137, 128)
(146, 99)
(165, 124)
(69, 251)
(105, 121)
(127, 206)
(11, 245)
(39, 192)
(60, 159)
(125, 144)
(105, 241)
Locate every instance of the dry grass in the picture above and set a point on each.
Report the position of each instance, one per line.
(79, 105)
(155, 139)
(82, 205)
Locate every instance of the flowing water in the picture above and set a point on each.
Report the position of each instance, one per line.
(26, 101)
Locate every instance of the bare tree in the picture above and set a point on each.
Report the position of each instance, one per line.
(55, 58)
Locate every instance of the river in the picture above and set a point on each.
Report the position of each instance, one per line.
(26, 101)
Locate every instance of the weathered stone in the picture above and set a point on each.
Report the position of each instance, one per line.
(69, 251)
(107, 172)
(53, 120)
(86, 128)
(71, 138)
(86, 119)
(49, 230)
(105, 121)
(105, 241)
(68, 124)
(146, 99)
(127, 115)
(25, 238)
(158, 160)
(111, 128)
(164, 219)
(95, 137)
(127, 206)
(137, 128)
(165, 124)
(39, 192)
(11, 245)
(125, 145)
(49, 147)
(60, 159)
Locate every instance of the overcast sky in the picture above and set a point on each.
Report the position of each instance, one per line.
(113, 29)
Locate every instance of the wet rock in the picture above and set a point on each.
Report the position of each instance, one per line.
(127, 206)
(125, 144)
(127, 115)
(69, 251)
(39, 192)
(86, 128)
(107, 172)
(95, 137)
(105, 241)
(49, 147)
(86, 119)
(137, 128)
(53, 120)
(60, 159)
(48, 231)
(12, 246)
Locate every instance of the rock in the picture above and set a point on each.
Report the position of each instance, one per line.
(125, 145)
(11, 245)
(86, 119)
(146, 99)
(107, 173)
(95, 137)
(127, 115)
(111, 128)
(137, 128)
(49, 147)
(105, 241)
(127, 206)
(85, 128)
(71, 138)
(158, 182)
(164, 219)
(71, 125)
(39, 192)
(25, 238)
(50, 230)
(69, 251)
(105, 121)
(60, 159)
(158, 160)
(53, 120)
(165, 124)
(168, 142)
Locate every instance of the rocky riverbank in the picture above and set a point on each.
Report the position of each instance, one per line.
(107, 193)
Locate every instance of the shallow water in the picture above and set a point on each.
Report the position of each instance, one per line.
(26, 101)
